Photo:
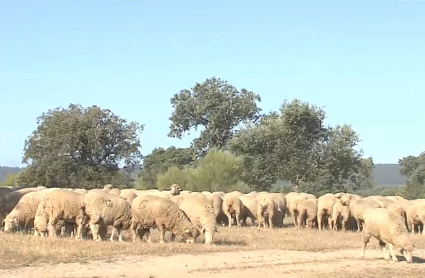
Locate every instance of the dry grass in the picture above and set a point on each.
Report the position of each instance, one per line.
(23, 250)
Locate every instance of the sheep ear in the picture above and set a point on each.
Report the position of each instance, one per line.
(186, 231)
(216, 230)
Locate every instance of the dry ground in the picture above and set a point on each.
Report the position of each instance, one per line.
(238, 252)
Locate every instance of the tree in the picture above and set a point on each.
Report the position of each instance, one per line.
(217, 171)
(363, 178)
(414, 168)
(216, 106)
(10, 180)
(81, 147)
(282, 145)
(160, 160)
(338, 161)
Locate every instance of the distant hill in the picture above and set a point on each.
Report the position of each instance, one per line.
(388, 175)
(385, 174)
(4, 170)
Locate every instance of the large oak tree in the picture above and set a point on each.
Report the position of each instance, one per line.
(215, 106)
(81, 147)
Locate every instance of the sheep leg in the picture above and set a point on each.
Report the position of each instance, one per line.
(95, 231)
(230, 220)
(119, 231)
(112, 234)
(319, 221)
(390, 246)
(161, 235)
(344, 225)
(330, 223)
(238, 223)
(358, 224)
(148, 236)
(173, 237)
(384, 250)
(133, 231)
(366, 238)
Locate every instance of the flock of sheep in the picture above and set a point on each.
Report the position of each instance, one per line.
(187, 214)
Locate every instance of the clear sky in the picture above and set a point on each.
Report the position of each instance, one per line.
(363, 60)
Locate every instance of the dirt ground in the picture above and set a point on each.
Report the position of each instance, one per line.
(246, 264)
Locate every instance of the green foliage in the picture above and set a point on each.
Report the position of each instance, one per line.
(295, 145)
(414, 168)
(160, 160)
(217, 171)
(216, 106)
(10, 180)
(81, 147)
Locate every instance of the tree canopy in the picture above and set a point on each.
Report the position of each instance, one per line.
(295, 145)
(217, 107)
(414, 168)
(82, 147)
(158, 162)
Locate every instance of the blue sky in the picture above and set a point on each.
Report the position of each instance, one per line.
(363, 60)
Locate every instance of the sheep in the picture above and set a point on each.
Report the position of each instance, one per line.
(324, 210)
(293, 199)
(104, 209)
(250, 205)
(108, 187)
(388, 227)
(11, 199)
(200, 212)
(128, 195)
(280, 200)
(415, 216)
(232, 208)
(340, 215)
(60, 204)
(267, 211)
(357, 207)
(175, 189)
(80, 191)
(23, 214)
(307, 213)
(217, 201)
(115, 191)
(150, 211)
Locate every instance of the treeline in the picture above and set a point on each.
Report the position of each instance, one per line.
(239, 147)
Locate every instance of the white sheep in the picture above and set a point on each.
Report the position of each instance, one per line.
(60, 204)
(200, 212)
(389, 228)
(23, 214)
(154, 212)
(102, 210)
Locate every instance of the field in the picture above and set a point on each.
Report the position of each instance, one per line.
(238, 252)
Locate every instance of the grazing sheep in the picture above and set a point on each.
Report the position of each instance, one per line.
(232, 208)
(103, 210)
(217, 201)
(389, 228)
(324, 210)
(357, 207)
(154, 212)
(280, 200)
(9, 201)
(200, 212)
(115, 191)
(250, 205)
(415, 216)
(23, 214)
(267, 212)
(60, 204)
(340, 215)
(128, 195)
(307, 213)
